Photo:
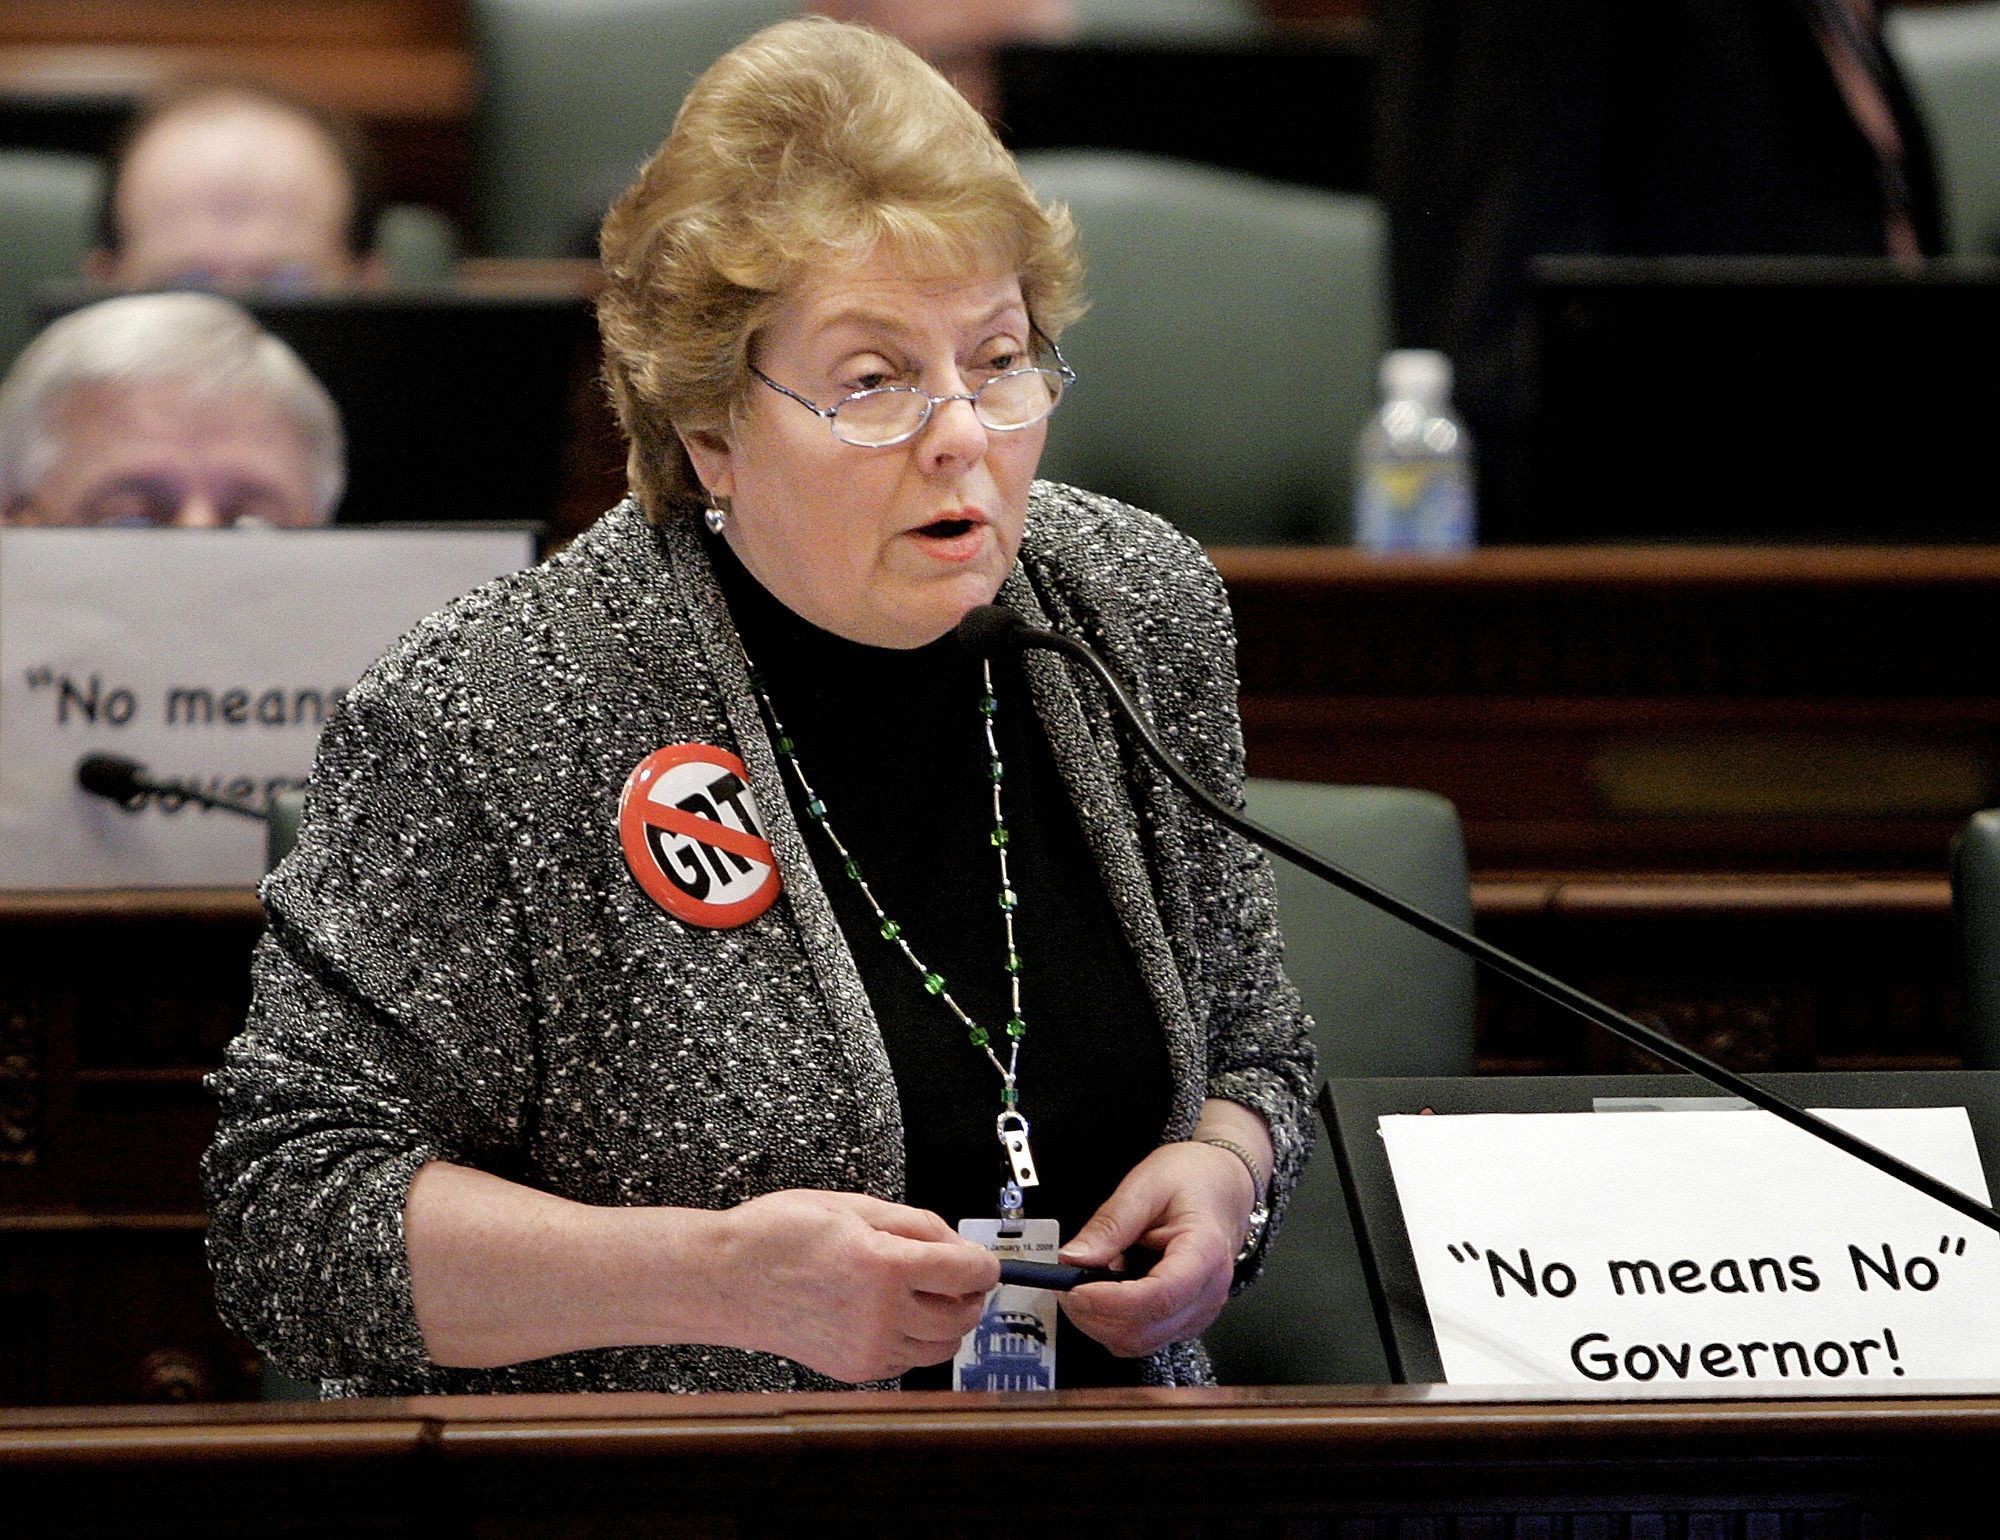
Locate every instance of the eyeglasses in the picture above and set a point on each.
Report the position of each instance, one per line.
(892, 414)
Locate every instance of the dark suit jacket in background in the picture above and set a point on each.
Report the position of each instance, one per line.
(1511, 128)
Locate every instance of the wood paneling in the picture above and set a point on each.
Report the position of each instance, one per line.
(1667, 709)
(404, 69)
(322, 23)
(1773, 972)
(112, 1007)
(397, 85)
(1715, 787)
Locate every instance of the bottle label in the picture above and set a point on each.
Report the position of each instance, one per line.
(1414, 506)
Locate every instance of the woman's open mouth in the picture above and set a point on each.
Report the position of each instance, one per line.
(953, 537)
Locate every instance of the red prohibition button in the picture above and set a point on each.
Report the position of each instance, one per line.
(693, 838)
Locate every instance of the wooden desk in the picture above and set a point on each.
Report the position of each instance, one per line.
(1826, 971)
(1809, 934)
(1715, 786)
(1388, 1464)
(1685, 709)
(112, 1007)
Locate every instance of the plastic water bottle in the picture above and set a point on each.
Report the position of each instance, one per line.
(1414, 487)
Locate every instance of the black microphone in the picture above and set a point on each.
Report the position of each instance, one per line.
(125, 782)
(993, 629)
(113, 776)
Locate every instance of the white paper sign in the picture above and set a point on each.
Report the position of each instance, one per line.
(211, 657)
(1721, 1249)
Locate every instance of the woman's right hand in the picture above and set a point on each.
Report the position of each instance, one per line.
(852, 1286)
(849, 1285)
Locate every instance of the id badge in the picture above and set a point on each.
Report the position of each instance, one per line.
(1014, 1345)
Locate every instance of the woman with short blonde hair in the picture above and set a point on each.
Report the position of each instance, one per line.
(695, 964)
(801, 150)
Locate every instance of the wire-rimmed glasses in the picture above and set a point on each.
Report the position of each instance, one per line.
(893, 414)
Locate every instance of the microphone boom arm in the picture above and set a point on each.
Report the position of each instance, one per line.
(1506, 964)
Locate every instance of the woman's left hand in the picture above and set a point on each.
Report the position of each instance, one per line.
(1188, 1201)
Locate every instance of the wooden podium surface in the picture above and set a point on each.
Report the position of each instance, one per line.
(1363, 1464)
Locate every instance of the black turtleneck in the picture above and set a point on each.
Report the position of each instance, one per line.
(891, 740)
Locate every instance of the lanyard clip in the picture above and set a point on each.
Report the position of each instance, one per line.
(1013, 1131)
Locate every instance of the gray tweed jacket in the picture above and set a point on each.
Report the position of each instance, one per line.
(459, 967)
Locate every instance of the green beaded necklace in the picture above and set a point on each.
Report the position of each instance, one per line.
(1010, 1127)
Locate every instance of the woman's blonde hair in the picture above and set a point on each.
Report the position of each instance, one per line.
(807, 146)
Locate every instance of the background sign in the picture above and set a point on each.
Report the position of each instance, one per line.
(1701, 1248)
(210, 656)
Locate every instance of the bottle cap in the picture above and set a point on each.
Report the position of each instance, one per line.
(1416, 374)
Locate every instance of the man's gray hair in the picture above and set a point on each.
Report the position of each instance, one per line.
(212, 344)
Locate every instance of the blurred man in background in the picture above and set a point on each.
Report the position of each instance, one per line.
(235, 186)
(166, 410)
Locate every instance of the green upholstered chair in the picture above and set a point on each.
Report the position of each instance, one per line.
(1385, 1001)
(1227, 364)
(1951, 54)
(1191, 20)
(48, 224)
(574, 95)
(1975, 909)
(417, 246)
(282, 832)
